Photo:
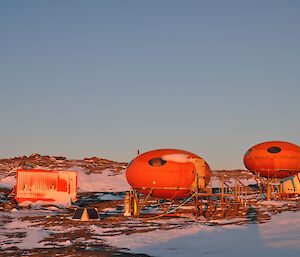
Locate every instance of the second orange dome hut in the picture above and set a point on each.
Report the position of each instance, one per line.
(168, 173)
(273, 159)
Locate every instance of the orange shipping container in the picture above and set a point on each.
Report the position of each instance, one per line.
(46, 185)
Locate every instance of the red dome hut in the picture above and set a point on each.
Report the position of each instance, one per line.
(168, 173)
(273, 159)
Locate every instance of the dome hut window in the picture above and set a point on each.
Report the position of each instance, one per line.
(157, 162)
(274, 149)
(129, 164)
(248, 152)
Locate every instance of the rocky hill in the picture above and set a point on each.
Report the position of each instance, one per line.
(36, 161)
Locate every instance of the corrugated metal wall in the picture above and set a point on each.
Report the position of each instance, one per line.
(71, 179)
(37, 184)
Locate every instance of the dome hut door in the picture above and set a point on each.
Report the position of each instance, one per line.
(199, 182)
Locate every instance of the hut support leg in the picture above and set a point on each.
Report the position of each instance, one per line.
(196, 205)
(145, 201)
(165, 210)
(136, 211)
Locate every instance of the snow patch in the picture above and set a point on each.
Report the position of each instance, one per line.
(110, 197)
(138, 240)
(34, 235)
(231, 182)
(177, 157)
(109, 210)
(282, 231)
(8, 182)
(32, 239)
(96, 229)
(106, 181)
(279, 237)
(272, 203)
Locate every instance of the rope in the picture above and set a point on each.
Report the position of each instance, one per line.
(164, 214)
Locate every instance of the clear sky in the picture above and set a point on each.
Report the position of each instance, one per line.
(103, 78)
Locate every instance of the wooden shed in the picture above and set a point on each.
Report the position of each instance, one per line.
(46, 185)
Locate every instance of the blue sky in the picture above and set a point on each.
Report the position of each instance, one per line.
(103, 78)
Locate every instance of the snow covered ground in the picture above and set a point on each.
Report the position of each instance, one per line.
(276, 232)
(8, 182)
(106, 181)
(279, 237)
(169, 237)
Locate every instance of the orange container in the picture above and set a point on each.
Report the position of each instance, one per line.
(273, 159)
(166, 173)
(45, 185)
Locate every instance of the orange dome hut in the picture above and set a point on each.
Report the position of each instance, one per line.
(167, 173)
(273, 159)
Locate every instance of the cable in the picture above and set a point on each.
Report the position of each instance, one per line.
(164, 214)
